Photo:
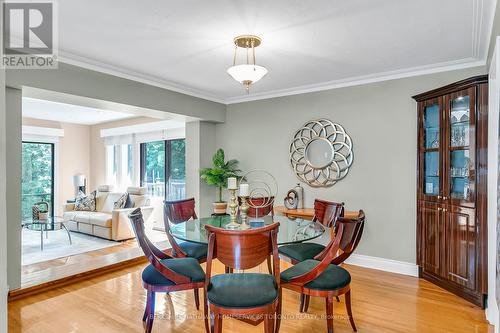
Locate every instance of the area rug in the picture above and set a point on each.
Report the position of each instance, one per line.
(57, 245)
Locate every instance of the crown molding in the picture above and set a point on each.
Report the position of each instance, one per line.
(483, 13)
(482, 24)
(72, 59)
(361, 80)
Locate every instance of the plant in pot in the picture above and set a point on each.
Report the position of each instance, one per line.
(217, 176)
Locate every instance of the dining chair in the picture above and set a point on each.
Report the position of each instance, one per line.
(253, 212)
(176, 212)
(164, 273)
(267, 209)
(326, 213)
(321, 278)
(353, 230)
(243, 295)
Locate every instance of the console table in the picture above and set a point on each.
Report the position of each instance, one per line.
(306, 213)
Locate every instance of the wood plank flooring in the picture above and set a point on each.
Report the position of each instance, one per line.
(382, 302)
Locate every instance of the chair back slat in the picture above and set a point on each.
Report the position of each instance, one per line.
(327, 212)
(242, 249)
(179, 211)
(176, 212)
(353, 230)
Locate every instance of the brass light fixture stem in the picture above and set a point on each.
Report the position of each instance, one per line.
(234, 58)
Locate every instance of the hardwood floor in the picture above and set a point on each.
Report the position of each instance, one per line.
(44, 272)
(382, 302)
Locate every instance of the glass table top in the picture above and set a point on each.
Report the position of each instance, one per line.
(291, 230)
(50, 224)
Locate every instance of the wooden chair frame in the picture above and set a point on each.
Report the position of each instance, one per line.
(168, 213)
(321, 207)
(353, 230)
(154, 255)
(298, 283)
(217, 238)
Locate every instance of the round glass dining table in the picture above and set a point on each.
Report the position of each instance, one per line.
(291, 230)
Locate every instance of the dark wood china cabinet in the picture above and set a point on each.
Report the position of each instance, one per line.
(452, 178)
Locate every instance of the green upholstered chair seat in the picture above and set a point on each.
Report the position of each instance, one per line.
(184, 266)
(194, 250)
(301, 251)
(242, 290)
(333, 278)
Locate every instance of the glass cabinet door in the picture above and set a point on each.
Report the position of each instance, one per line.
(461, 141)
(431, 114)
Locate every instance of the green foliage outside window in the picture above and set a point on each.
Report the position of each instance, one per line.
(36, 180)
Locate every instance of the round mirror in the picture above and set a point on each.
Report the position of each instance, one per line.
(319, 153)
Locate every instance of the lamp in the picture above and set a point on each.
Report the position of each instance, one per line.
(79, 182)
(249, 73)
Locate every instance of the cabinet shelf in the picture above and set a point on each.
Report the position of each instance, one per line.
(460, 123)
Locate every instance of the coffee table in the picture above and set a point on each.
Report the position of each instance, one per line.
(54, 223)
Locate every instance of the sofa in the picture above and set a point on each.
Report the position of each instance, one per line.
(107, 222)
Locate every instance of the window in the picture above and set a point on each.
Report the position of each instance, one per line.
(37, 181)
(163, 168)
(120, 166)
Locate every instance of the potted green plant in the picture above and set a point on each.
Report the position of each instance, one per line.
(217, 176)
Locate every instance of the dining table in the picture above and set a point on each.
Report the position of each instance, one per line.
(291, 230)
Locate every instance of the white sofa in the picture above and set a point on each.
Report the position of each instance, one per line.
(107, 222)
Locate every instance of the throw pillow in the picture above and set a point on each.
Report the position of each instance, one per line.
(120, 203)
(129, 203)
(86, 203)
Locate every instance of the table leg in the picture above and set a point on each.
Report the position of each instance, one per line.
(41, 239)
(69, 235)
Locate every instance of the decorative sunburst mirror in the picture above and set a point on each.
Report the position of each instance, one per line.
(321, 153)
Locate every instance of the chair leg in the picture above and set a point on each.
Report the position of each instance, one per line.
(218, 323)
(302, 299)
(306, 303)
(268, 322)
(151, 311)
(278, 312)
(349, 310)
(146, 310)
(329, 314)
(269, 265)
(196, 299)
(205, 312)
(337, 298)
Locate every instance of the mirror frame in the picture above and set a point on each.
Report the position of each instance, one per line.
(342, 153)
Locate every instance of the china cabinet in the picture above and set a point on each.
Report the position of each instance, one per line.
(451, 198)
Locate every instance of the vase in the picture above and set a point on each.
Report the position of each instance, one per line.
(220, 208)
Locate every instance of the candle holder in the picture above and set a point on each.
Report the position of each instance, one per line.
(243, 212)
(233, 205)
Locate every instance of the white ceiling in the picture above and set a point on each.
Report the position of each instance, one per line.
(307, 45)
(68, 113)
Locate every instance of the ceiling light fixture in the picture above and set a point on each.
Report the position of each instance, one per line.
(249, 73)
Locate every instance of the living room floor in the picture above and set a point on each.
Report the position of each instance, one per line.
(45, 270)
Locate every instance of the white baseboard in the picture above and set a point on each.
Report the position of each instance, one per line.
(383, 264)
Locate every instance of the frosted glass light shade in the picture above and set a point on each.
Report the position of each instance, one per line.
(247, 73)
